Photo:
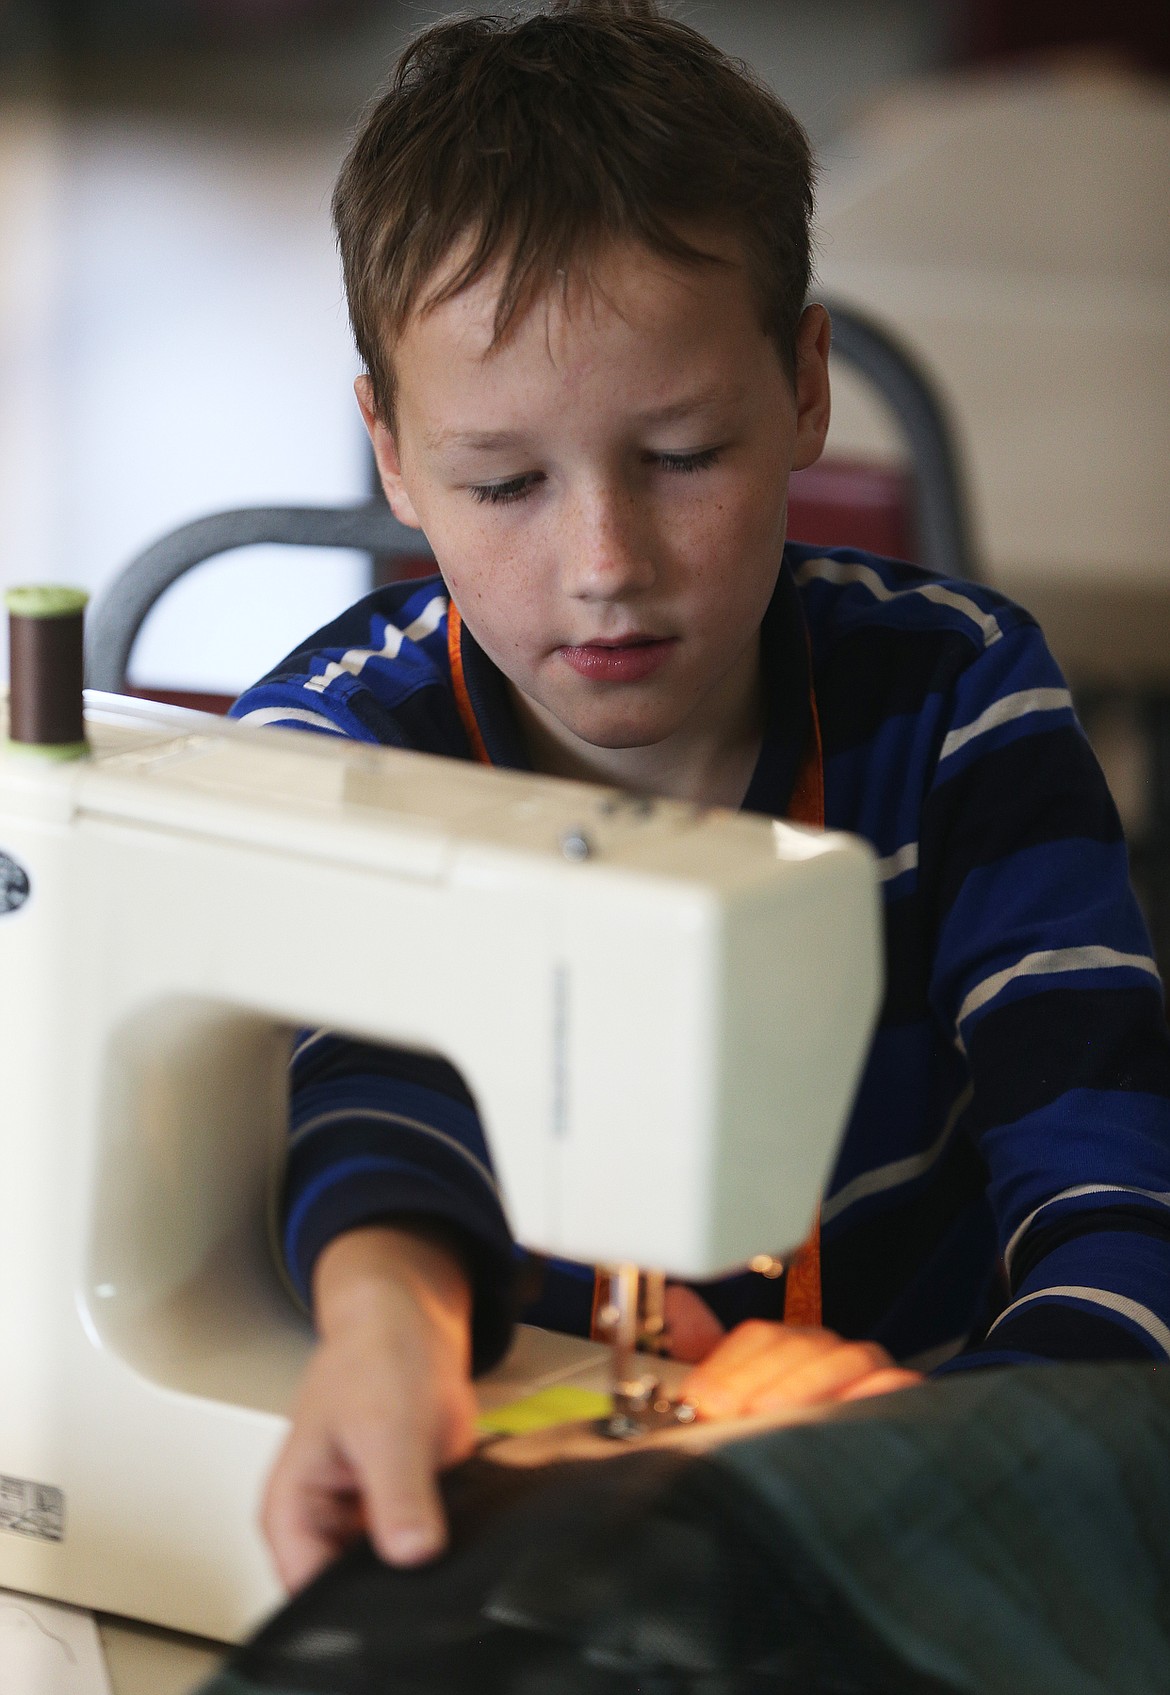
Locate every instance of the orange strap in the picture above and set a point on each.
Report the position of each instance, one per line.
(459, 684)
(802, 1288)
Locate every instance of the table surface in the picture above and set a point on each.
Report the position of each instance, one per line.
(144, 1661)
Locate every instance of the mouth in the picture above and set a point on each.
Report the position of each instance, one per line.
(625, 659)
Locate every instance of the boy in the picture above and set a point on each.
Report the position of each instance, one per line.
(576, 254)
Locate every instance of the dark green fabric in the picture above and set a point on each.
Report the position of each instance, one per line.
(1003, 1530)
(996, 1533)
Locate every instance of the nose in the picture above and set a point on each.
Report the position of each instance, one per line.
(607, 549)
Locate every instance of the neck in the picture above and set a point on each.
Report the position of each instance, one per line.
(708, 760)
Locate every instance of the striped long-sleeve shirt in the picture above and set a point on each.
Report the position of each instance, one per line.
(1002, 1191)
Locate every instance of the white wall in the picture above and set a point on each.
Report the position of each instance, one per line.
(173, 341)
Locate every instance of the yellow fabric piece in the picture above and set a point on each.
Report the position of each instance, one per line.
(563, 1405)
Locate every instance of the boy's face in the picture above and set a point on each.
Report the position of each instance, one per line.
(606, 491)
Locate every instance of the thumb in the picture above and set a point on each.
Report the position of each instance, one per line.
(403, 1509)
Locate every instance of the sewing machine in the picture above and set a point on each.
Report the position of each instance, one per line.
(661, 1012)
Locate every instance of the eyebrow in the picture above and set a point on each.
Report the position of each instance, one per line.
(482, 441)
(497, 441)
(702, 402)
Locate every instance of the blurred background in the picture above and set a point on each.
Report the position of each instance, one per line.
(995, 194)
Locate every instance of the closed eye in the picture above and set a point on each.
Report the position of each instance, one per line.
(517, 488)
(687, 461)
(502, 494)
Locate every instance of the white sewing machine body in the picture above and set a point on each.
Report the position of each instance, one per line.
(663, 1039)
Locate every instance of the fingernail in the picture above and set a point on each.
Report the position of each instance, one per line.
(412, 1547)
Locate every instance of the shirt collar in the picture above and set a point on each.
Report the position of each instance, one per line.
(787, 678)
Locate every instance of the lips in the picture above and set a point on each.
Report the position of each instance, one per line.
(627, 661)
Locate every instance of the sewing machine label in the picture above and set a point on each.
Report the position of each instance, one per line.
(32, 1509)
(14, 884)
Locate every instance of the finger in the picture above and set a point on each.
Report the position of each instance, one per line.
(459, 1433)
(729, 1378)
(298, 1551)
(885, 1382)
(820, 1379)
(691, 1326)
(306, 1526)
(396, 1474)
(750, 1339)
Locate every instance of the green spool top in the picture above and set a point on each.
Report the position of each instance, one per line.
(45, 600)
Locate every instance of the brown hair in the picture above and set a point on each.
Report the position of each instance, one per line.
(537, 139)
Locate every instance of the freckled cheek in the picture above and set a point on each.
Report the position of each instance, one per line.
(754, 515)
(732, 514)
(712, 553)
(507, 605)
(477, 570)
(730, 570)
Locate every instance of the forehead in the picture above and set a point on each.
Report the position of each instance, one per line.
(622, 319)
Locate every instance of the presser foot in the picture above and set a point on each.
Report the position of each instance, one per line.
(641, 1409)
(633, 1320)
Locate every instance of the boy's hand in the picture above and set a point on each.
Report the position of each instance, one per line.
(761, 1367)
(385, 1405)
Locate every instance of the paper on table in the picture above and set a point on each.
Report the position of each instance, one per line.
(46, 1649)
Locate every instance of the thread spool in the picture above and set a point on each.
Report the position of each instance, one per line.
(46, 670)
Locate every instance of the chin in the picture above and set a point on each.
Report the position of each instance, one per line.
(622, 735)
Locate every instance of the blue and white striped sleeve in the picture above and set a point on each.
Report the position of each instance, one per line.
(384, 1135)
(1044, 976)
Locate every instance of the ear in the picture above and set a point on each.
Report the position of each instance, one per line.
(385, 456)
(813, 335)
